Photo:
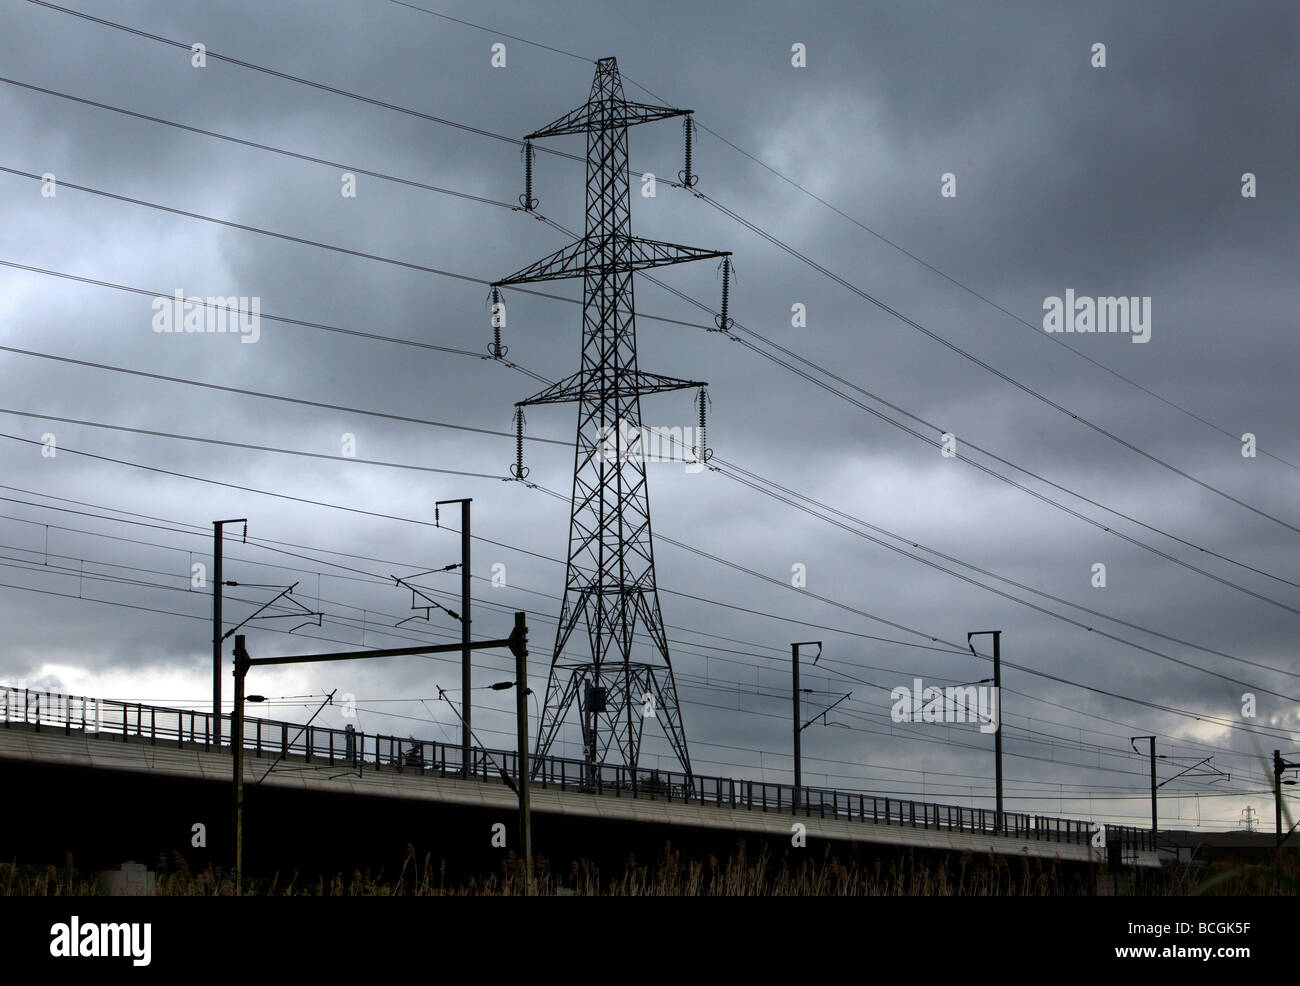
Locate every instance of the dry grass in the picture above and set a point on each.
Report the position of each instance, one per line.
(1280, 879)
(671, 875)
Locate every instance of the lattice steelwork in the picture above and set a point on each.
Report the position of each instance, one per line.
(610, 585)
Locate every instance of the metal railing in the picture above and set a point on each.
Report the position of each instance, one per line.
(114, 720)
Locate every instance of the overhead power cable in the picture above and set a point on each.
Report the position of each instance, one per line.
(731, 214)
(410, 520)
(271, 544)
(752, 485)
(575, 301)
(912, 432)
(867, 229)
(337, 91)
(989, 367)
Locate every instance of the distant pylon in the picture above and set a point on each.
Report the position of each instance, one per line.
(610, 584)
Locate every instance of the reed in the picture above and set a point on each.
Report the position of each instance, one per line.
(671, 874)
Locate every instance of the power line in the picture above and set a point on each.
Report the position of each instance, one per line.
(1052, 787)
(1031, 671)
(971, 462)
(718, 461)
(986, 366)
(686, 547)
(304, 241)
(505, 607)
(370, 336)
(1020, 486)
(199, 531)
(1024, 587)
(971, 291)
(299, 79)
(249, 447)
(1053, 739)
(384, 631)
(512, 37)
(245, 392)
(752, 485)
(715, 558)
(375, 578)
(927, 440)
(703, 197)
(258, 146)
(879, 236)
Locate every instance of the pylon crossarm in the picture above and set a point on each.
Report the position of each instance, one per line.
(657, 383)
(605, 116)
(635, 384)
(566, 262)
(638, 254)
(655, 253)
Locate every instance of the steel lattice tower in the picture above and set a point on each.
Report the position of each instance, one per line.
(610, 584)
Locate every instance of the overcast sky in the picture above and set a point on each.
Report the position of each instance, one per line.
(1124, 180)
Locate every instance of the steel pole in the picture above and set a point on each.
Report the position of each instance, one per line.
(521, 713)
(798, 756)
(218, 528)
(1154, 825)
(237, 748)
(1151, 740)
(216, 634)
(466, 697)
(997, 733)
(1277, 795)
(465, 692)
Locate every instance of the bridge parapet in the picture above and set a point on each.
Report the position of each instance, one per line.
(115, 720)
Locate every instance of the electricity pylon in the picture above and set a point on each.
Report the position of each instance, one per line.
(610, 584)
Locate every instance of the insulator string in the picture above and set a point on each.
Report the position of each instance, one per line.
(526, 200)
(517, 469)
(495, 349)
(702, 451)
(723, 320)
(688, 179)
